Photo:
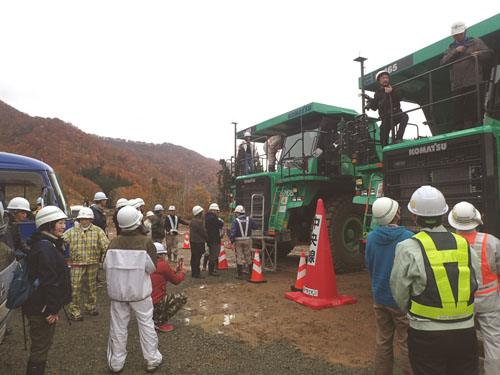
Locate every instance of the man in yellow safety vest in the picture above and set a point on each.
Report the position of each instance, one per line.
(433, 280)
(465, 218)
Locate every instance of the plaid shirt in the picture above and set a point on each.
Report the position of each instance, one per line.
(86, 247)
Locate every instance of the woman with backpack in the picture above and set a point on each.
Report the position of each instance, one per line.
(48, 271)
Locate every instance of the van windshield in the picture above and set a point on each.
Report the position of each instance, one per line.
(27, 184)
(30, 185)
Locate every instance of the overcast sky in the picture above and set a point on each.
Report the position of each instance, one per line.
(182, 71)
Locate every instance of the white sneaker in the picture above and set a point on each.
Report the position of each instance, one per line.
(115, 371)
(152, 367)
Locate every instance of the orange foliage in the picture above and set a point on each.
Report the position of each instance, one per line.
(164, 173)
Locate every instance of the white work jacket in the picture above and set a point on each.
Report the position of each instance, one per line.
(127, 274)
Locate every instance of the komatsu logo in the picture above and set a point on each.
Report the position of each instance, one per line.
(426, 149)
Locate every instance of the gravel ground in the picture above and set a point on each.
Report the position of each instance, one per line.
(81, 347)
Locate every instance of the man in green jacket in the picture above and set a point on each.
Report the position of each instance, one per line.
(433, 280)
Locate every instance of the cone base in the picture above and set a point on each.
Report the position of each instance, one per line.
(222, 266)
(257, 282)
(320, 303)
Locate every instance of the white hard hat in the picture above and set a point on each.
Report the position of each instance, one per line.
(129, 218)
(19, 203)
(159, 248)
(384, 210)
(137, 203)
(149, 213)
(100, 196)
(131, 202)
(240, 209)
(85, 213)
(121, 202)
(214, 206)
(171, 208)
(39, 201)
(427, 201)
(458, 28)
(464, 216)
(158, 207)
(247, 134)
(197, 210)
(141, 201)
(377, 76)
(49, 214)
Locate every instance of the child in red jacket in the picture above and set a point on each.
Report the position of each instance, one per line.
(166, 305)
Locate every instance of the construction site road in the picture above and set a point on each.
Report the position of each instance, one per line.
(227, 326)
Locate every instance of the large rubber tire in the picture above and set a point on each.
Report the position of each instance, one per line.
(345, 228)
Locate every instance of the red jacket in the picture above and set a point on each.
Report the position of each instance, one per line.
(159, 279)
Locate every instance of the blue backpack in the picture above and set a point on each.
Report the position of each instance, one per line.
(20, 288)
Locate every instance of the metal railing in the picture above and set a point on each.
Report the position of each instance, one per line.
(433, 103)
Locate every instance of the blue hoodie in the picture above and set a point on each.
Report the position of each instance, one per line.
(379, 256)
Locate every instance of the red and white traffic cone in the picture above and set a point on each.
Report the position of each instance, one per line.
(320, 285)
(257, 276)
(222, 258)
(187, 245)
(301, 274)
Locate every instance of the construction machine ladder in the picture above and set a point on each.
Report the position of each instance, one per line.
(268, 243)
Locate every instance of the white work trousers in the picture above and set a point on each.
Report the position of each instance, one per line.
(490, 328)
(117, 345)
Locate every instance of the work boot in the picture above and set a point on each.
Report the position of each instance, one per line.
(35, 368)
(211, 270)
(250, 267)
(239, 268)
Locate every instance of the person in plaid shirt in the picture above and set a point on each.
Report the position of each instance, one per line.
(87, 244)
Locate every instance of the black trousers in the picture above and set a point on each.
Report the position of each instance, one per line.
(465, 109)
(385, 128)
(197, 250)
(451, 352)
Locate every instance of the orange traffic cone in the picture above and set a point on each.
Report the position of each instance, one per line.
(257, 276)
(187, 245)
(301, 274)
(222, 258)
(229, 246)
(320, 285)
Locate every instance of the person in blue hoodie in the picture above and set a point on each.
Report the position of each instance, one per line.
(379, 256)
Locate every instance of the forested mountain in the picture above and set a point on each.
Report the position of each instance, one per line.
(86, 163)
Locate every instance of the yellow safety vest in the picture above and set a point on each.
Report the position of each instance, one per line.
(438, 302)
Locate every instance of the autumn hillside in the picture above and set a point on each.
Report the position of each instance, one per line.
(86, 163)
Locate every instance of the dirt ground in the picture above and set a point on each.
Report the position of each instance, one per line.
(229, 326)
(259, 313)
